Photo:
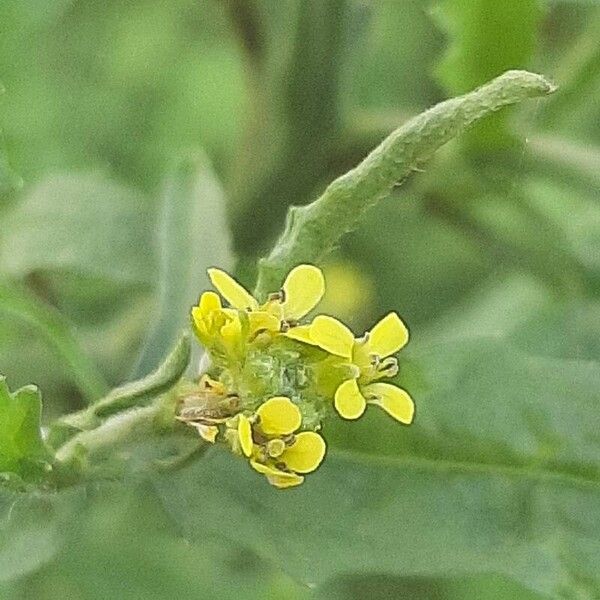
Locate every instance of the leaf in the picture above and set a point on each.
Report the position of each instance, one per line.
(500, 473)
(9, 180)
(22, 450)
(193, 237)
(81, 223)
(291, 159)
(18, 302)
(32, 529)
(313, 230)
(486, 38)
(123, 531)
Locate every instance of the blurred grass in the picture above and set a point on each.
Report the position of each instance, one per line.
(283, 95)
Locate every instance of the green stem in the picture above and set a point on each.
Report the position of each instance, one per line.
(113, 431)
(312, 231)
(135, 393)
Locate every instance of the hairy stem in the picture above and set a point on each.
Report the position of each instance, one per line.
(135, 393)
(312, 231)
(113, 431)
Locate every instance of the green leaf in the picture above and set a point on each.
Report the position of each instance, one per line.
(123, 531)
(79, 223)
(33, 527)
(313, 230)
(18, 302)
(486, 38)
(22, 450)
(193, 237)
(9, 180)
(500, 473)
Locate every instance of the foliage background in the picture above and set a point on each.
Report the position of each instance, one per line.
(146, 140)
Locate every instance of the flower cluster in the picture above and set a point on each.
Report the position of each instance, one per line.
(270, 379)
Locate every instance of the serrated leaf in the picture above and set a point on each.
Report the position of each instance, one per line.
(486, 38)
(500, 473)
(22, 449)
(81, 223)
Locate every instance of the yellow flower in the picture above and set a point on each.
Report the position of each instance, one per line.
(301, 292)
(351, 400)
(272, 446)
(372, 355)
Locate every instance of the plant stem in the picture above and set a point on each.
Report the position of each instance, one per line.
(312, 231)
(135, 393)
(113, 431)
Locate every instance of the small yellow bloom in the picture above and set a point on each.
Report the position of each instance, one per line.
(372, 355)
(301, 292)
(250, 361)
(272, 446)
(351, 400)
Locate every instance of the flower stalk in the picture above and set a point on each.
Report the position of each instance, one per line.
(312, 231)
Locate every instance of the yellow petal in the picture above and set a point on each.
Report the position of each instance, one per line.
(279, 416)
(388, 336)
(349, 401)
(199, 323)
(231, 332)
(301, 334)
(280, 479)
(306, 454)
(261, 320)
(209, 301)
(207, 432)
(245, 435)
(332, 335)
(304, 287)
(232, 291)
(394, 400)
(286, 480)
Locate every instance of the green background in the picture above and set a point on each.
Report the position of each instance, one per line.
(145, 140)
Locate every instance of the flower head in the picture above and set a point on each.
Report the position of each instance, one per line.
(270, 440)
(273, 377)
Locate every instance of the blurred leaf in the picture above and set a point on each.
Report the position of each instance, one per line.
(9, 180)
(522, 310)
(33, 528)
(120, 544)
(578, 75)
(22, 450)
(193, 237)
(307, 103)
(575, 215)
(486, 37)
(500, 473)
(82, 223)
(567, 159)
(57, 333)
